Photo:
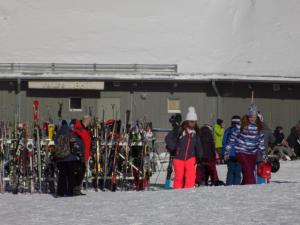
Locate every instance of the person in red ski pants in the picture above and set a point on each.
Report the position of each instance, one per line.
(186, 145)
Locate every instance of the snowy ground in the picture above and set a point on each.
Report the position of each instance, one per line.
(277, 203)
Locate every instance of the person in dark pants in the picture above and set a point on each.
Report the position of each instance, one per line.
(234, 168)
(66, 178)
(66, 161)
(81, 130)
(207, 163)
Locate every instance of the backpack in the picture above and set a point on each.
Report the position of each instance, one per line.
(264, 170)
(77, 146)
(63, 148)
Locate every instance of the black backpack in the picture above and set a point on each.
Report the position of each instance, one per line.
(77, 145)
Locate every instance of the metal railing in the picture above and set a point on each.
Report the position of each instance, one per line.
(86, 68)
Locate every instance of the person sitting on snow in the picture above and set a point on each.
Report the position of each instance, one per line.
(294, 139)
(281, 148)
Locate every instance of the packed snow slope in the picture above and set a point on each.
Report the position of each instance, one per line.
(277, 203)
(201, 36)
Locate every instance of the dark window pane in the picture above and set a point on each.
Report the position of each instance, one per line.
(75, 103)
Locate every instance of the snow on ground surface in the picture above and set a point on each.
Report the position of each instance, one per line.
(277, 203)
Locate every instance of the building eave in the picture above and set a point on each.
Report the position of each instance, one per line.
(226, 77)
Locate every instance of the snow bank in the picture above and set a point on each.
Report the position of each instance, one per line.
(201, 36)
(277, 203)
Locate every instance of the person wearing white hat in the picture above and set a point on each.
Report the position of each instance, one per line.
(186, 146)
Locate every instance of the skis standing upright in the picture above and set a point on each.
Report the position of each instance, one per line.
(115, 148)
(17, 171)
(2, 158)
(96, 155)
(37, 143)
(175, 120)
(126, 150)
(105, 161)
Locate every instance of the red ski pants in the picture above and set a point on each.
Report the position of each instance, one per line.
(248, 164)
(185, 173)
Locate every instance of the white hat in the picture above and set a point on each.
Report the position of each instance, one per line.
(191, 115)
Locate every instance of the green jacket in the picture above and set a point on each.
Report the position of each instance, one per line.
(218, 135)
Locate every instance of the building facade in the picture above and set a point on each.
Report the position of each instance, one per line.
(221, 51)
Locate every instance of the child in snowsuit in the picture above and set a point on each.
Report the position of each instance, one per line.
(234, 169)
(186, 147)
(248, 143)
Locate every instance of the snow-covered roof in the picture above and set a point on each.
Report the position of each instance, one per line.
(253, 39)
(152, 77)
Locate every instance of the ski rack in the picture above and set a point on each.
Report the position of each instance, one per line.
(29, 181)
(133, 170)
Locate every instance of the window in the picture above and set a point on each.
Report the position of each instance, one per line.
(174, 106)
(75, 104)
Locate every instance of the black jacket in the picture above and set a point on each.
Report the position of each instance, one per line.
(208, 145)
(279, 137)
(184, 146)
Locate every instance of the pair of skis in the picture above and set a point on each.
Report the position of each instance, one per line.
(115, 147)
(175, 121)
(37, 143)
(107, 154)
(2, 169)
(169, 174)
(126, 150)
(96, 154)
(19, 159)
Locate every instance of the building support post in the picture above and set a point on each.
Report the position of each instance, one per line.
(218, 98)
(131, 106)
(18, 92)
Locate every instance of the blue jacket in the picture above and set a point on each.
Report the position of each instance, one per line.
(227, 146)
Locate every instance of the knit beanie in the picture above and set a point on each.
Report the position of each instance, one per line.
(252, 110)
(235, 120)
(220, 121)
(191, 115)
